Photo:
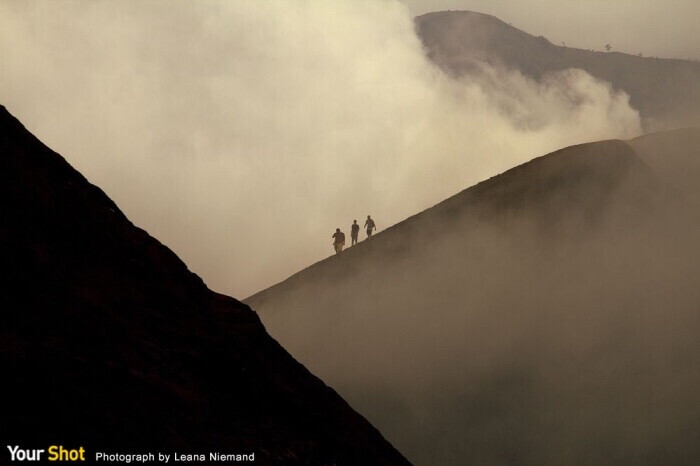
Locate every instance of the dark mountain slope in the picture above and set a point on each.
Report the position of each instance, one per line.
(108, 341)
(547, 315)
(665, 91)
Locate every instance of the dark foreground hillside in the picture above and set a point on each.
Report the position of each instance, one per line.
(546, 316)
(109, 342)
(665, 91)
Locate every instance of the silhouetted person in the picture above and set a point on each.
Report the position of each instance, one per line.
(354, 232)
(339, 241)
(369, 224)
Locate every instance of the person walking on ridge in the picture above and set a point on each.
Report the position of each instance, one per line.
(354, 231)
(369, 224)
(339, 240)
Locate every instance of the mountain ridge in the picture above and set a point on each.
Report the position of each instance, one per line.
(666, 91)
(462, 201)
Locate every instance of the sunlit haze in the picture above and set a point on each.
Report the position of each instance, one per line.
(242, 134)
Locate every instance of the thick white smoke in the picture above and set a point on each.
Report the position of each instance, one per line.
(243, 133)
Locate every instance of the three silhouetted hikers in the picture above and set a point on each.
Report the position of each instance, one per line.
(354, 231)
(369, 224)
(339, 241)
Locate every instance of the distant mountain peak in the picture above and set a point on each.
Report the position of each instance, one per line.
(665, 91)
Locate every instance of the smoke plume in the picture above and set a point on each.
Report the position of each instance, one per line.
(243, 133)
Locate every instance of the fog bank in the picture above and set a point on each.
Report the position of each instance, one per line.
(241, 134)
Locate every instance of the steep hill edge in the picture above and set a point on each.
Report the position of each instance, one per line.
(606, 160)
(108, 341)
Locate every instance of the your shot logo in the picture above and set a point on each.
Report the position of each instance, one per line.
(52, 453)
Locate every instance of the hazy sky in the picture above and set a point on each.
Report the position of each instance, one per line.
(241, 134)
(666, 28)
